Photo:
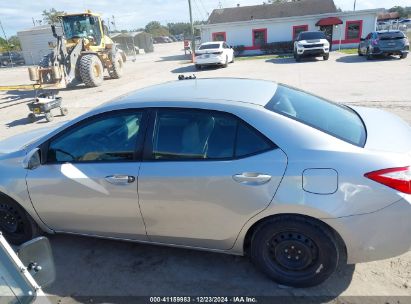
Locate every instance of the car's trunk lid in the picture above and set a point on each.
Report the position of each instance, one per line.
(385, 131)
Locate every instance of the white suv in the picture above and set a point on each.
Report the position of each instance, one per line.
(214, 53)
(311, 44)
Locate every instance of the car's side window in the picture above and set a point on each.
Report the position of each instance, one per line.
(250, 142)
(110, 137)
(202, 134)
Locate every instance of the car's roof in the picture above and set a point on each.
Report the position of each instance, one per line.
(389, 32)
(212, 42)
(234, 90)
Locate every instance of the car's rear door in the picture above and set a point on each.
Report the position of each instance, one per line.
(88, 182)
(205, 173)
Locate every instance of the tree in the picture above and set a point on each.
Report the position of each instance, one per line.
(404, 12)
(51, 16)
(156, 29)
(14, 43)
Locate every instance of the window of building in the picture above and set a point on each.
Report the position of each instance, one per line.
(200, 134)
(220, 36)
(108, 138)
(353, 30)
(298, 29)
(259, 37)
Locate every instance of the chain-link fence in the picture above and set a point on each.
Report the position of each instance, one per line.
(12, 59)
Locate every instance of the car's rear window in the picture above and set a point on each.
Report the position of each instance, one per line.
(337, 120)
(209, 46)
(391, 36)
(312, 35)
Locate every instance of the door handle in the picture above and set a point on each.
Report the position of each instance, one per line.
(120, 179)
(250, 178)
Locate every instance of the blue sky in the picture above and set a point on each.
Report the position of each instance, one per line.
(130, 14)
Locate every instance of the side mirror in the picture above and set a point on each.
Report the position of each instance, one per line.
(37, 256)
(32, 159)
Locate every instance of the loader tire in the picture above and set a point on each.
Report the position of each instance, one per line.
(91, 70)
(45, 62)
(117, 70)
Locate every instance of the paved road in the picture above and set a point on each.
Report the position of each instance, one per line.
(93, 267)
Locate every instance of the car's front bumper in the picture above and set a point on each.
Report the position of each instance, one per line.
(378, 235)
(307, 52)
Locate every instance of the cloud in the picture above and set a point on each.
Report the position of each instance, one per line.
(130, 14)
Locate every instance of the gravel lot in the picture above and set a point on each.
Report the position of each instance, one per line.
(87, 267)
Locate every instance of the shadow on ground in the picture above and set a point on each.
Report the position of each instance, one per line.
(90, 269)
(175, 58)
(360, 59)
(291, 60)
(192, 69)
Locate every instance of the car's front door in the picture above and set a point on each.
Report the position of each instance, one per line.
(88, 180)
(204, 175)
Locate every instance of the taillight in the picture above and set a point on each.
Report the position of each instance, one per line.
(396, 178)
(375, 42)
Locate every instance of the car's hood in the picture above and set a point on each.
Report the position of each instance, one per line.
(18, 142)
(385, 131)
(313, 41)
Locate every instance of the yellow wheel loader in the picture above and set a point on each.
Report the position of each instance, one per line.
(80, 54)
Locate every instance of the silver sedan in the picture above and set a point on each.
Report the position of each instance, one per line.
(245, 167)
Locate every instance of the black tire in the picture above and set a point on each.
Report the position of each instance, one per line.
(226, 62)
(16, 224)
(368, 54)
(31, 117)
(295, 251)
(403, 55)
(326, 56)
(49, 116)
(297, 58)
(117, 69)
(359, 52)
(91, 70)
(198, 67)
(64, 111)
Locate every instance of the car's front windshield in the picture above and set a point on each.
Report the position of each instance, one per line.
(81, 26)
(312, 35)
(334, 119)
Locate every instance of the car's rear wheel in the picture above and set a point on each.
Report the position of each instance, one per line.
(226, 62)
(295, 251)
(15, 223)
(368, 54)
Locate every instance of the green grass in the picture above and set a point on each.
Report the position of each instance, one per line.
(349, 51)
(262, 57)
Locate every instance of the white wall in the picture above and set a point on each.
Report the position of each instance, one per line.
(281, 29)
(34, 43)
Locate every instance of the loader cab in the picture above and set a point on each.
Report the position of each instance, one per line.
(85, 26)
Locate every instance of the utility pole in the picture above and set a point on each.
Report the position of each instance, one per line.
(193, 39)
(355, 2)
